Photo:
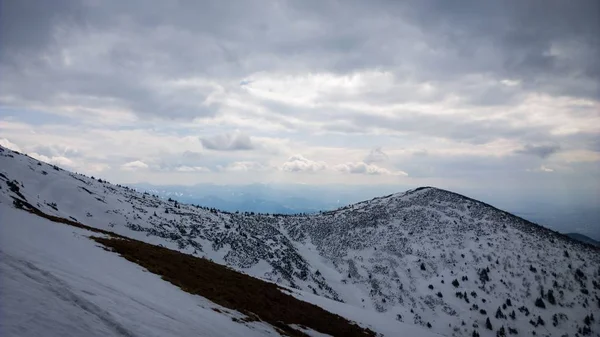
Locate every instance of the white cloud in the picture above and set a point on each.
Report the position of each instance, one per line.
(62, 161)
(244, 166)
(55, 160)
(542, 168)
(192, 169)
(510, 83)
(298, 163)
(546, 169)
(364, 168)
(9, 145)
(316, 88)
(98, 167)
(134, 166)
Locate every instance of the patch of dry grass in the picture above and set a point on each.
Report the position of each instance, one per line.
(231, 289)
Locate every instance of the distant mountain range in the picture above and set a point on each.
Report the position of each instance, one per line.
(583, 238)
(264, 198)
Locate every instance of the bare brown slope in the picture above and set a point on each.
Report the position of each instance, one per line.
(232, 289)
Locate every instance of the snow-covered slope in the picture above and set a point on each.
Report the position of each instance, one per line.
(397, 255)
(57, 282)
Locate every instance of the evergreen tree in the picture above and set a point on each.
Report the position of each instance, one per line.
(488, 324)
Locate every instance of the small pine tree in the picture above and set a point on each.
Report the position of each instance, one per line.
(488, 324)
(455, 283)
(551, 298)
(422, 266)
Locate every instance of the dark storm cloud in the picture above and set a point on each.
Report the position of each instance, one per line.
(535, 41)
(26, 26)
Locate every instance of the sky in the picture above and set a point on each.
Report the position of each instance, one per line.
(502, 97)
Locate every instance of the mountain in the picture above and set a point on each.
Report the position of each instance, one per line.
(583, 238)
(426, 257)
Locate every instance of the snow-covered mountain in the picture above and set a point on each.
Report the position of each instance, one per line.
(427, 257)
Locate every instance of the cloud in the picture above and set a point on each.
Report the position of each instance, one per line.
(9, 145)
(298, 163)
(184, 168)
(542, 168)
(365, 168)
(376, 156)
(236, 141)
(143, 64)
(105, 83)
(542, 151)
(134, 166)
(244, 166)
(56, 160)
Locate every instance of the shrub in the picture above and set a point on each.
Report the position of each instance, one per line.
(540, 303)
(455, 283)
(540, 321)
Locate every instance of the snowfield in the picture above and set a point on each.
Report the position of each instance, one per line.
(55, 281)
(416, 263)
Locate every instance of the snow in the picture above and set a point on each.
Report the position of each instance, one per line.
(55, 281)
(383, 323)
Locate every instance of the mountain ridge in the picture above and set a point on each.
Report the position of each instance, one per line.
(396, 254)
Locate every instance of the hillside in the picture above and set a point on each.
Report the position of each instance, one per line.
(427, 257)
(583, 238)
